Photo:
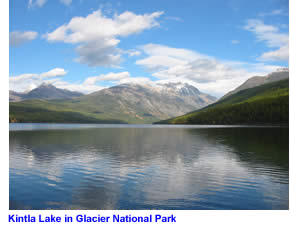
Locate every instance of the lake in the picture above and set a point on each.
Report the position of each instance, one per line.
(87, 166)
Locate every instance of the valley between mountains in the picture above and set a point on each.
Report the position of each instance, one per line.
(125, 103)
(259, 100)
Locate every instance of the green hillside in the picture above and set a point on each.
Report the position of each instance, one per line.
(126, 103)
(266, 104)
(77, 110)
(27, 112)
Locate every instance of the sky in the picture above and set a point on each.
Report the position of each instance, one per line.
(88, 45)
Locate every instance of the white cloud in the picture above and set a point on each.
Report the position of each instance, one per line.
(40, 3)
(272, 13)
(162, 50)
(200, 71)
(272, 37)
(282, 54)
(99, 53)
(235, 41)
(116, 78)
(24, 77)
(98, 36)
(133, 53)
(17, 38)
(153, 63)
(177, 19)
(36, 3)
(56, 72)
(163, 57)
(106, 77)
(77, 87)
(268, 33)
(137, 80)
(277, 12)
(66, 2)
(208, 74)
(89, 84)
(28, 81)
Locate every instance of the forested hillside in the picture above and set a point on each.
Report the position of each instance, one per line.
(266, 104)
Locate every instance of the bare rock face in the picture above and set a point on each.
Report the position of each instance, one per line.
(159, 101)
(279, 75)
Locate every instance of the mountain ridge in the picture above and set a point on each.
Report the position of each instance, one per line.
(128, 102)
(260, 80)
(43, 91)
(264, 104)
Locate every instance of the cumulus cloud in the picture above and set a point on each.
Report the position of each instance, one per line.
(17, 38)
(153, 63)
(162, 50)
(106, 77)
(99, 53)
(97, 36)
(77, 87)
(272, 37)
(90, 84)
(282, 54)
(116, 78)
(133, 53)
(200, 71)
(208, 74)
(161, 56)
(56, 72)
(36, 3)
(28, 81)
(136, 80)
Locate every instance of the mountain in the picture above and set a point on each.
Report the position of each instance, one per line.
(279, 75)
(44, 91)
(151, 100)
(130, 103)
(15, 96)
(264, 104)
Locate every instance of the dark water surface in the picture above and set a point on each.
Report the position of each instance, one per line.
(148, 167)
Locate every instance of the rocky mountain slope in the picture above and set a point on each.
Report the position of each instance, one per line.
(131, 103)
(279, 75)
(159, 101)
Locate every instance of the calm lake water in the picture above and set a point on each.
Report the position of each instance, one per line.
(66, 166)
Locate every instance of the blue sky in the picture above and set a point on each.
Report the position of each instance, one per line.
(86, 45)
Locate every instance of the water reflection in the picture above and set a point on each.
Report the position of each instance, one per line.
(143, 168)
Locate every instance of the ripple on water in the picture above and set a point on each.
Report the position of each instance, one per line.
(148, 168)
